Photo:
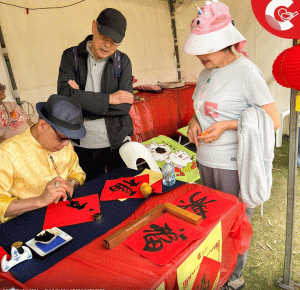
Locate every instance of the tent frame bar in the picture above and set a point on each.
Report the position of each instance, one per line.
(286, 282)
(172, 7)
(4, 52)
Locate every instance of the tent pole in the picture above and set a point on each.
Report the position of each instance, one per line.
(9, 69)
(286, 282)
(172, 12)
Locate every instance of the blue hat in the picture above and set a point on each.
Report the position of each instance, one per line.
(64, 114)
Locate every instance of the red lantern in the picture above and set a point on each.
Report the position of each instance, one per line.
(286, 68)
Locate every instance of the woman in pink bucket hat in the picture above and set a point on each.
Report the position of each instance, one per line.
(227, 86)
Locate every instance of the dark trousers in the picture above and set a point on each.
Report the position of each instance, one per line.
(226, 181)
(95, 162)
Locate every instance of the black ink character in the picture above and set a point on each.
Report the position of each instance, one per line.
(125, 188)
(204, 284)
(132, 182)
(159, 235)
(77, 205)
(198, 206)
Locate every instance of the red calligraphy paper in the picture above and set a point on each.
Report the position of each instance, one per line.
(163, 239)
(157, 187)
(3, 253)
(207, 274)
(60, 214)
(128, 187)
(205, 204)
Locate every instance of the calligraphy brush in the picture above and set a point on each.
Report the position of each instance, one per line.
(68, 194)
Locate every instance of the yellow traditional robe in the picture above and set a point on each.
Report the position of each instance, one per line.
(26, 167)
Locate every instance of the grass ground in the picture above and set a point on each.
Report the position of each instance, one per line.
(265, 265)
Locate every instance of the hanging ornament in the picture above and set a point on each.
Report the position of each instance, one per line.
(286, 68)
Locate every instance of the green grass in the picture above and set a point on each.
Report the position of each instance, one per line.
(264, 267)
(265, 275)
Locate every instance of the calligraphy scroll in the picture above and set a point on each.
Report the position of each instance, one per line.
(163, 239)
(208, 205)
(128, 187)
(62, 214)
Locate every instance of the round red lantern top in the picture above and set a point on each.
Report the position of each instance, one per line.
(286, 68)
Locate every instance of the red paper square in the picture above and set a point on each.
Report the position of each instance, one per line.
(207, 274)
(163, 239)
(60, 215)
(205, 204)
(128, 187)
(157, 187)
(3, 253)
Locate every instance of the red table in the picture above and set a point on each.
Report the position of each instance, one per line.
(93, 266)
(162, 113)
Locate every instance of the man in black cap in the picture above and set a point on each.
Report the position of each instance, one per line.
(39, 166)
(99, 77)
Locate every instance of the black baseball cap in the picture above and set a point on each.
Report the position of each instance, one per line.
(112, 23)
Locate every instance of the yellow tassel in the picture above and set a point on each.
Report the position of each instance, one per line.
(298, 102)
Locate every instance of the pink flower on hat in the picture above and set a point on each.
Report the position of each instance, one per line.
(215, 16)
(212, 30)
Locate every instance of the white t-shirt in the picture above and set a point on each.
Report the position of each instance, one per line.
(230, 90)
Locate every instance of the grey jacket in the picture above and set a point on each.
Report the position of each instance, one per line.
(96, 105)
(256, 140)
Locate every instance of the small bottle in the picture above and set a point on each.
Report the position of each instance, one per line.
(168, 172)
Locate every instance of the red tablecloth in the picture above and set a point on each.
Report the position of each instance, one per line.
(162, 113)
(93, 266)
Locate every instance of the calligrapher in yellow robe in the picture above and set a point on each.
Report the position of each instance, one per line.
(26, 167)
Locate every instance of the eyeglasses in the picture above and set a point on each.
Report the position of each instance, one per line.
(109, 40)
(60, 138)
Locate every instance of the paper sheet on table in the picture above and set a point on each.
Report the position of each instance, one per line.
(128, 187)
(153, 175)
(60, 214)
(205, 204)
(163, 239)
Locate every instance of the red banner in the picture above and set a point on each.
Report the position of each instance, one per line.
(205, 204)
(128, 187)
(163, 239)
(62, 214)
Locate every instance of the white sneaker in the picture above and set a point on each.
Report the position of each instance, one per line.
(234, 285)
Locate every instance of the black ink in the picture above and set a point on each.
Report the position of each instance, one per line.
(132, 182)
(77, 205)
(124, 188)
(159, 235)
(91, 209)
(204, 284)
(198, 206)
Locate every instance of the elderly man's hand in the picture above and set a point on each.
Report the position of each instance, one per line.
(121, 97)
(55, 189)
(73, 84)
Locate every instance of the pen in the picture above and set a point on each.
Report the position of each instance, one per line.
(68, 194)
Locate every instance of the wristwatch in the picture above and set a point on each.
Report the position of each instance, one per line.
(75, 184)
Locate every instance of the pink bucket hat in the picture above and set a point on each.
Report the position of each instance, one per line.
(212, 30)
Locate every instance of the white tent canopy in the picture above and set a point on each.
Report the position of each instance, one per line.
(35, 41)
